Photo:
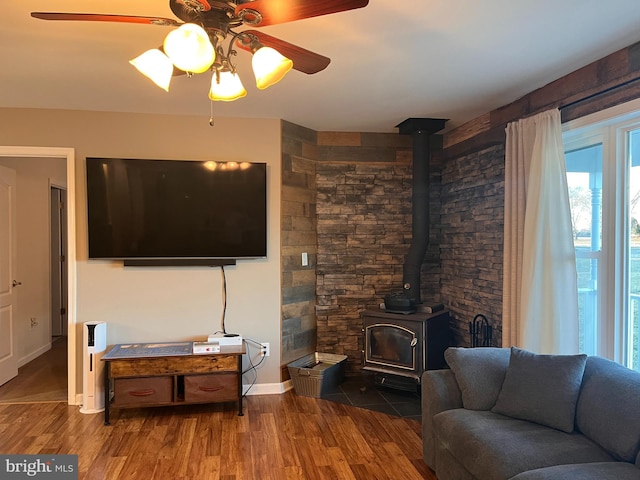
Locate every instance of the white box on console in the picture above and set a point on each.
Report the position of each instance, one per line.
(226, 338)
(205, 347)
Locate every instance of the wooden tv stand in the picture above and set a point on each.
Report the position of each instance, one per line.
(161, 374)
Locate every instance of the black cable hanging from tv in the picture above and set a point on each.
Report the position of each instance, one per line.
(224, 299)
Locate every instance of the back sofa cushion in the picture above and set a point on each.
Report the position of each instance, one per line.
(542, 388)
(479, 373)
(608, 410)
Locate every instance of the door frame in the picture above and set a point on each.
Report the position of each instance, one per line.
(61, 242)
(69, 155)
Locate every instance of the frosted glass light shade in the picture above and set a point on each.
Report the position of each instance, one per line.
(229, 88)
(269, 67)
(155, 65)
(189, 48)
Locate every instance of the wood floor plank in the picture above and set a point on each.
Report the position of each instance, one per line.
(280, 437)
(353, 443)
(337, 460)
(286, 449)
(307, 451)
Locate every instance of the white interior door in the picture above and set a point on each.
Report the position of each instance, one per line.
(8, 358)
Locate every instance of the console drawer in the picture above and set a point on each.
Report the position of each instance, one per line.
(142, 391)
(211, 388)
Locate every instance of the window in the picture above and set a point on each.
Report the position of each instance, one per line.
(602, 153)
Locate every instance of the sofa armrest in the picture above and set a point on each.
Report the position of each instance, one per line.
(440, 392)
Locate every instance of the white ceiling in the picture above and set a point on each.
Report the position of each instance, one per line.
(391, 60)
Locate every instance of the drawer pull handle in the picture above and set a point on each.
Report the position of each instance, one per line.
(211, 389)
(142, 393)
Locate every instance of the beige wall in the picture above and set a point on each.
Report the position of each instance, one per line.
(166, 304)
(33, 179)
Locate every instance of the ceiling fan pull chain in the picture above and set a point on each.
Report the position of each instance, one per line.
(211, 122)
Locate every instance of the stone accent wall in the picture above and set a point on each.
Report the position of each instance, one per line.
(363, 231)
(346, 201)
(298, 235)
(472, 240)
(364, 221)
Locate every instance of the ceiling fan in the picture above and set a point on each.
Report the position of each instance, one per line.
(218, 19)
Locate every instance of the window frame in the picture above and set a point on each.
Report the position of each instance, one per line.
(611, 127)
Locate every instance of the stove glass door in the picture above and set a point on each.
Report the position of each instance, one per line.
(391, 345)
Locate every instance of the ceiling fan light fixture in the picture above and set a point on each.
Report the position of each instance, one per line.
(269, 66)
(189, 48)
(197, 42)
(156, 66)
(226, 87)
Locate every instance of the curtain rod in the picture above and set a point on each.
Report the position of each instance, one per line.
(597, 94)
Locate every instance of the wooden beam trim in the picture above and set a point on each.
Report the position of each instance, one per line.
(618, 70)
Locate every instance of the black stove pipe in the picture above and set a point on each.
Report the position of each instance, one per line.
(421, 129)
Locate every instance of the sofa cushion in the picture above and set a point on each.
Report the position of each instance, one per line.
(542, 388)
(479, 373)
(493, 446)
(608, 409)
(583, 471)
(440, 392)
(448, 467)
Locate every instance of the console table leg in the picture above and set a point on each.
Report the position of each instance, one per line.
(240, 413)
(107, 397)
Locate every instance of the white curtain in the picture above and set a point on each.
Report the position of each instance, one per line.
(540, 299)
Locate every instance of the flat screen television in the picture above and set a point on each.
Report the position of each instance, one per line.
(176, 211)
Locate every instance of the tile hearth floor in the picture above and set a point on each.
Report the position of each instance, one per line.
(361, 391)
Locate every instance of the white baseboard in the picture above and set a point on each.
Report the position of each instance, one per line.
(267, 388)
(288, 385)
(33, 355)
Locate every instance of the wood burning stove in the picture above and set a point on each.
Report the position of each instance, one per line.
(400, 345)
(398, 348)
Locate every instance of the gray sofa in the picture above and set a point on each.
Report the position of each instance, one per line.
(510, 414)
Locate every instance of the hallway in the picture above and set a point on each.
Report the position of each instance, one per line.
(44, 379)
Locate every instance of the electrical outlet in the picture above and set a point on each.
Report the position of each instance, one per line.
(265, 350)
(34, 322)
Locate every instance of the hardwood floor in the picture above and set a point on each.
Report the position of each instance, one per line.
(44, 379)
(280, 437)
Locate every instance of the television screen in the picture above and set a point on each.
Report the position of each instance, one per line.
(176, 209)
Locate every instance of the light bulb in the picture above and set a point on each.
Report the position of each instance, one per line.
(269, 67)
(155, 65)
(189, 48)
(226, 87)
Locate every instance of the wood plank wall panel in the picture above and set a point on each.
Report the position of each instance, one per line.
(298, 235)
(621, 69)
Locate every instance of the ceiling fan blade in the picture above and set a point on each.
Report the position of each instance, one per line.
(260, 13)
(304, 61)
(96, 17)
